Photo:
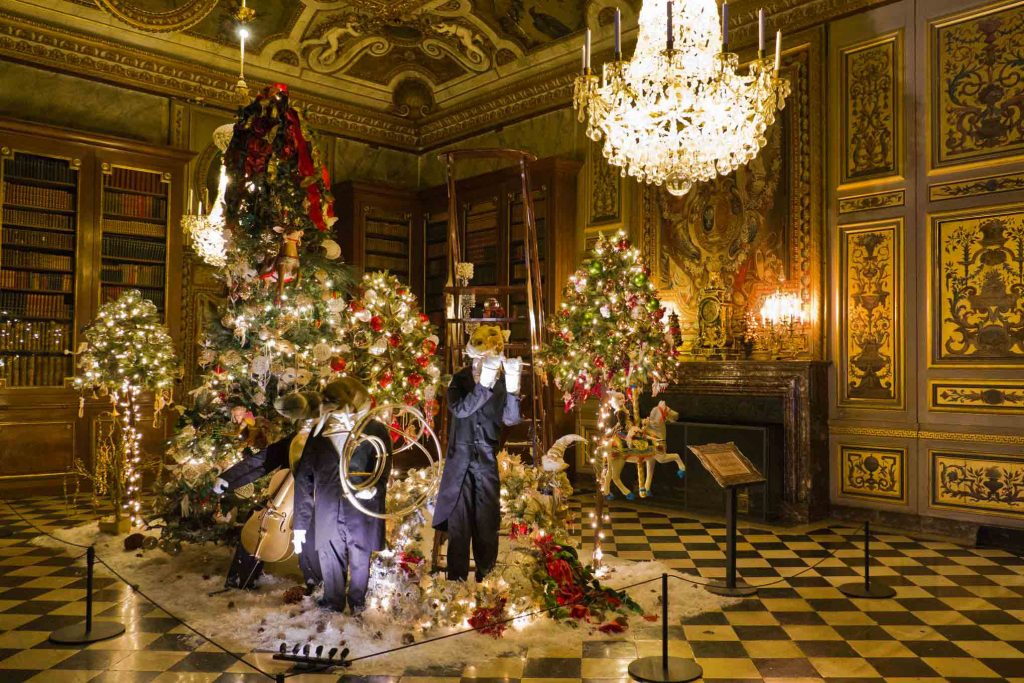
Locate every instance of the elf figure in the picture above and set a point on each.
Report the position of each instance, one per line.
(480, 402)
(342, 536)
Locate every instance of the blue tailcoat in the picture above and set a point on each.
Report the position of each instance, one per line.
(321, 503)
(477, 414)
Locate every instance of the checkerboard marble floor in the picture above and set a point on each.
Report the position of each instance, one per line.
(958, 614)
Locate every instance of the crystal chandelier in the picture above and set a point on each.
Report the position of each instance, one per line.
(206, 232)
(679, 112)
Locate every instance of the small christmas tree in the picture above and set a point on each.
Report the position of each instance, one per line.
(127, 351)
(390, 344)
(608, 339)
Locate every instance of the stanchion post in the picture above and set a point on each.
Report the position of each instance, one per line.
(664, 669)
(730, 587)
(90, 560)
(87, 631)
(664, 621)
(867, 589)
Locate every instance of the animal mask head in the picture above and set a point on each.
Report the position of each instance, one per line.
(298, 405)
(487, 340)
(347, 395)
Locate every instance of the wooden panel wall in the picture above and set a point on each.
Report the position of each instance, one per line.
(926, 225)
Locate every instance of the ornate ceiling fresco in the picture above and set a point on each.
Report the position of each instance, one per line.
(405, 73)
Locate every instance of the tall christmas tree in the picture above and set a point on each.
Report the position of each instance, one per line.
(608, 342)
(293, 319)
(277, 331)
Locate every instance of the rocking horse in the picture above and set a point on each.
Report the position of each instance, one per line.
(644, 446)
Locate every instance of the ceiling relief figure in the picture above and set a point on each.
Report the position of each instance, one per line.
(535, 22)
(438, 41)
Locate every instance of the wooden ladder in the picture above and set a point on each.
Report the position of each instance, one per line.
(539, 430)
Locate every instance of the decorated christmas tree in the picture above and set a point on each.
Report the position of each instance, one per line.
(278, 331)
(293, 320)
(608, 342)
(127, 353)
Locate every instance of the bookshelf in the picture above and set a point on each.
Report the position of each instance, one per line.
(491, 218)
(435, 226)
(375, 230)
(134, 229)
(37, 265)
(82, 217)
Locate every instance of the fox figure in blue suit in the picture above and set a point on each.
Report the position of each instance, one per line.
(343, 536)
(468, 500)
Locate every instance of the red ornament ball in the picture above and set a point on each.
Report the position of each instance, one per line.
(386, 379)
(415, 379)
(394, 340)
(376, 323)
(338, 364)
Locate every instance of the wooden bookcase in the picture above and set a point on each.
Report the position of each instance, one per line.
(82, 217)
(378, 230)
(491, 208)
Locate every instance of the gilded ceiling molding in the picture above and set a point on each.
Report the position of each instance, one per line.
(489, 111)
(29, 41)
(142, 19)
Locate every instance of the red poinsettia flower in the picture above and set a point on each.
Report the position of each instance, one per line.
(386, 379)
(581, 612)
(415, 379)
(422, 361)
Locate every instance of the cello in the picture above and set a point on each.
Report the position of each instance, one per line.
(267, 534)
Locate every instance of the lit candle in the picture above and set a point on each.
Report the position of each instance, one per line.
(243, 33)
(778, 50)
(725, 25)
(671, 39)
(618, 33)
(760, 30)
(583, 58)
(586, 49)
(190, 198)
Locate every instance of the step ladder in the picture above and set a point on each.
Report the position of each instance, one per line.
(538, 431)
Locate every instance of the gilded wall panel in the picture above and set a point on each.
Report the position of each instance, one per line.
(871, 286)
(982, 483)
(872, 201)
(873, 473)
(604, 190)
(871, 113)
(1005, 182)
(965, 396)
(977, 86)
(976, 287)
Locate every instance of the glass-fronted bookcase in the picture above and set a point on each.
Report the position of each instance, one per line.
(82, 218)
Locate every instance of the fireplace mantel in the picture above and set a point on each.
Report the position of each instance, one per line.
(793, 393)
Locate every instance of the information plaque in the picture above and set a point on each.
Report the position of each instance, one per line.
(727, 465)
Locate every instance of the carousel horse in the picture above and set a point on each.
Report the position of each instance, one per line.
(643, 446)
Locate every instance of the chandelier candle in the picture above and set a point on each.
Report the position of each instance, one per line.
(671, 40)
(618, 34)
(725, 26)
(679, 112)
(778, 50)
(586, 50)
(760, 31)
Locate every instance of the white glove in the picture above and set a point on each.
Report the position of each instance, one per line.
(298, 539)
(489, 371)
(513, 373)
(220, 486)
(366, 494)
